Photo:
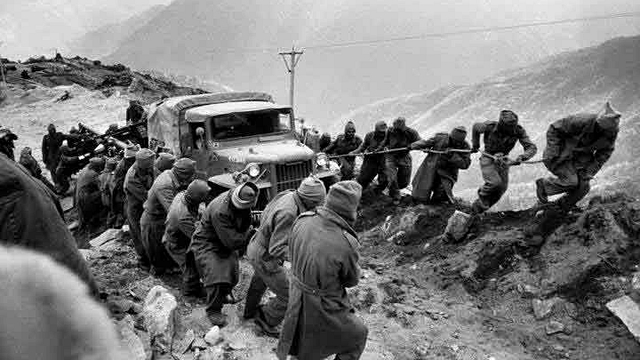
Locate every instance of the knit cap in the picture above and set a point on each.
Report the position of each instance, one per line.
(184, 169)
(197, 192)
(165, 161)
(96, 163)
(343, 198)
(245, 196)
(111, 165)
(459, 133)
(608, 118)
(312, 190)
(144, 158)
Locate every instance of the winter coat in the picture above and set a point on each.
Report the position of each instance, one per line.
(341, 145)
(398, 139)
(135, 113)
(445, 165)
(28, 161)
(497, 142)
(31, 216)
(271, 242)
(117, 182)
(222, 231)
(320, 320)
(51, 149)
(105, 187)
(88, 196)
(161, 194)
(136, 187)
(576, 139)
(180, 223)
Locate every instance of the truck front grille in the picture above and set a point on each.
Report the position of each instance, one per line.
(289, 176)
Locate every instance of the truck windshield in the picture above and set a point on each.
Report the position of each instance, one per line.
(230, 126)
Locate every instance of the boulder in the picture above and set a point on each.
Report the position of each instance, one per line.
(159, 317)
(106, 237)
(213, 336)
(554, 327)
(457, 226)
(628, 311)
(129, 340)
(543, 308)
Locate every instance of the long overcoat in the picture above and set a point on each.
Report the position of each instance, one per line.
(31, 216)
(320, 320)
(575, 139)
(434, 165)
(220, 233)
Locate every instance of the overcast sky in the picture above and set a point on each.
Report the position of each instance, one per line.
(29, 27)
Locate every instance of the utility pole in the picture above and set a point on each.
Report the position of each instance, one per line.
(294, 57)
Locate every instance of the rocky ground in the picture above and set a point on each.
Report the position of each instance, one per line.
(422, 298)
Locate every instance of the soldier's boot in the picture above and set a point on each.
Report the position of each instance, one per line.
(261, 321)
(541, 192)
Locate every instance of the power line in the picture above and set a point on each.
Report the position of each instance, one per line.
(477, 30)
(440, 34)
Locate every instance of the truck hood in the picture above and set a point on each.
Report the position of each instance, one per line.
(272, 152)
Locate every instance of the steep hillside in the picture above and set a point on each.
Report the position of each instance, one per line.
(104, 40)
(98, 95)
(237, 43)
(579, 81)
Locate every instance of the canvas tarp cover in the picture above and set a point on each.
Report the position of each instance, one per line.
(166, 117)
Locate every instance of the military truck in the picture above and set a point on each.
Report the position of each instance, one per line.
(236, 137)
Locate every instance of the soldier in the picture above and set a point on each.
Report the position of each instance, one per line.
(164, 189)
(180, 225)
(434, 180)
(499, 139)
(135, 112)
(47, 312)
(66, 165)
(30, 163)
(268, 250)
(223, 230)
(373, 165)
(577, 148)
(105, 189)
(117, 185)
(113, 128)
(51, 143)
(398, 164)
(323, 246)
(342, 145)
(31, 217)
(163, 162)
(325, 140)
(88, 196)
(6, 143)
(137, 183)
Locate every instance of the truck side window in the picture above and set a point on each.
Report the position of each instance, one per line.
(198, 136)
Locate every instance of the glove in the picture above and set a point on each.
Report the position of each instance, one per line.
(474, 150)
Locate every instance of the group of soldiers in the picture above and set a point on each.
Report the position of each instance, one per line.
(305, 248)
(577, 148)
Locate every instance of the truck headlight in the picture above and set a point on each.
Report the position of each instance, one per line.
(322, 160)
(253, 170)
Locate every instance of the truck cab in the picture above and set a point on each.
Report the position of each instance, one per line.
(237, 137)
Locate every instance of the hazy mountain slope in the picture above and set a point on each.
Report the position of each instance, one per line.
(236, 43)
(35, 27)
(107, 38)
(572, 82)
